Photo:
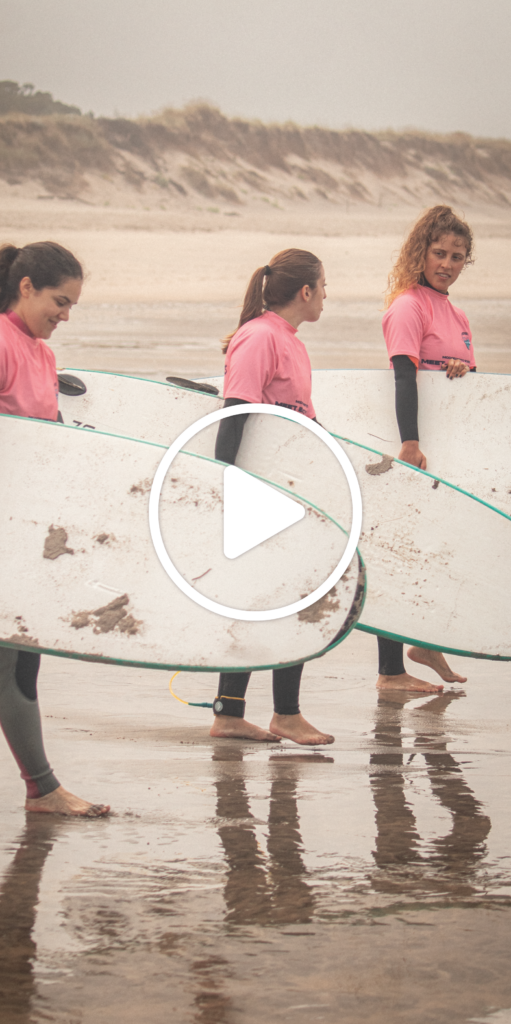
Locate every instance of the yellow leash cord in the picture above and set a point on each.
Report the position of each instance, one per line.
(190, 703)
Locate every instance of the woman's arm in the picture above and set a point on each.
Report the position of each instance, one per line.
(404, 326)
(230, 433)
(407, 408)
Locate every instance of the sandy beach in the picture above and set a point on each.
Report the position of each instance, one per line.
(367, 882)
(160, 292)
(154, 256)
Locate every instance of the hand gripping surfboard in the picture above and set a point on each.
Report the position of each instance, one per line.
(434, 554)
(464, 424)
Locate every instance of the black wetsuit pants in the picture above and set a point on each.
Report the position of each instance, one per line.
(232, 687)
(390, 657)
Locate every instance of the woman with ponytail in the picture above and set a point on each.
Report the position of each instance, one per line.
(38, 285)
(266, 362)
(424, 331)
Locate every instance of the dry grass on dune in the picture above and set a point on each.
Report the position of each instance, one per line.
(181, 155)
(55, 151)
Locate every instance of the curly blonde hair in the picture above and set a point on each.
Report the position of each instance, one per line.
(406, 272)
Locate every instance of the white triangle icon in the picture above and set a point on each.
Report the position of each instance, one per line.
(253, 512)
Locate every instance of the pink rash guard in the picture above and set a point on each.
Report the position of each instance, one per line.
(423, 324)
(28, 372)
(267, 363)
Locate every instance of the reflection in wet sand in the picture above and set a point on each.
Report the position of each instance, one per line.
(448, 863)
(247, 890)
(260, 888)
(19, 896)
(212, 1005)
(238, 884)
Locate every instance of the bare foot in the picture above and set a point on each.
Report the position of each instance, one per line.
(227, 727)
(295, 727)
(62, 802)
(436, 661)
(406, 682)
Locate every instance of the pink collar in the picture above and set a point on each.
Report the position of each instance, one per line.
(426, 284)
(20, 324)
(283, 323)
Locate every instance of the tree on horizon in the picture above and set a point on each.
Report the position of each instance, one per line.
(23, 99)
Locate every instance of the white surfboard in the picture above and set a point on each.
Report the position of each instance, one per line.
(81, 577)
(464, 424)
(420, 554)
(434, 555)
(131, 405)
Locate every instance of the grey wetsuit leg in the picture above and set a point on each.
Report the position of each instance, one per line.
(20, 719)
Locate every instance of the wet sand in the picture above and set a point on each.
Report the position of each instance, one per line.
(157, 302)
(182, 338)
(215, 266)
(161, 292)
(368, 882)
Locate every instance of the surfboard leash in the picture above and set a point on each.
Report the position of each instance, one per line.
(190, 703)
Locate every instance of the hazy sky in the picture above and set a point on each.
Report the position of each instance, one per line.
(432, 64)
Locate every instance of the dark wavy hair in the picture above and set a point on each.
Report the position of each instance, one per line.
(47, 264)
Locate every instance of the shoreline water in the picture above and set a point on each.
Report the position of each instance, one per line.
(215, 266)
(158, 296)
(158, 339)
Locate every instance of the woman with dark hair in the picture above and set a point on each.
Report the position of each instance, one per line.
(38, 285)
(267, 363)
(424, 331)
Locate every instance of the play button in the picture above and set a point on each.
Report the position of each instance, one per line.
(265, 515)
(254, 512)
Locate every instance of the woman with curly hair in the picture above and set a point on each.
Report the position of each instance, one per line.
(424, 331)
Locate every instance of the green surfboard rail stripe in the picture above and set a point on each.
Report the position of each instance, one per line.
(409, 640)
(400, 462)
(193, 668)
(360, 626)
(430, 647)
(339, 437)
(194, 455)
(424, 472)
(174, 667)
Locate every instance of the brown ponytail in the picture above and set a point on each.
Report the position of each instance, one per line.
(285, 275)
(45, 263)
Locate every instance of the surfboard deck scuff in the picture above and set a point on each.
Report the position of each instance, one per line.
(434, 555)
(85, 581)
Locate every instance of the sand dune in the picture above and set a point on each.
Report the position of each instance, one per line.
(176, 212)
(198, 160)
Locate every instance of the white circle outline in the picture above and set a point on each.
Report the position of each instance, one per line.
(157, 539)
